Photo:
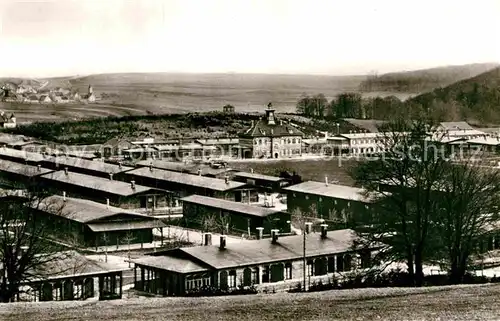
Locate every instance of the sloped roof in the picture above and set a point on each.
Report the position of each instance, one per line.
(264, 251)
(237, 207)
(489, 130)
(262, 129)
(83, 211)
(489, 141)
(218, 141)
(22, 169)
(186, 179)
(10, 138)
(455, 125)
(97, 183)
(360, 135)
(167, 165)
(315, 141)
(330, 190)
(68, 264)
(258, 176)
(20, 154)
(97, 166)
(190, 168)
(368, 124)
(170, 263)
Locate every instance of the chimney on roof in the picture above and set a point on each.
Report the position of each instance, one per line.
(132, 184)
(39, 167)
(110, 176)
(64, 196)
(324, 230)
(24, 249)
(222, 244)
(208, 239)
(120, 165)
(199, 171)
(226, 179)
(274, 236)
(66, 171)
(251, 170)
(107, 202)
(326, 180)
(308, 227)
(260, 233)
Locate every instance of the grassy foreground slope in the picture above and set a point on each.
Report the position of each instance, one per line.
(437, 303)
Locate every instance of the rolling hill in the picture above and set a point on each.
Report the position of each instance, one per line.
(473, 99)
(202, 92)
(425, 79)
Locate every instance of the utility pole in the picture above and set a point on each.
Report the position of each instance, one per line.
(304, 270)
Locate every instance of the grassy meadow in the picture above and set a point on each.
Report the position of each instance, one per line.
(434, 303)
(310, 169)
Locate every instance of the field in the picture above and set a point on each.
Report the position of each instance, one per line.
(309, 169)
(438, 303)
(160, 93)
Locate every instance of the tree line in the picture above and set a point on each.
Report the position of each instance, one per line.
(353, 105)
(471, 101)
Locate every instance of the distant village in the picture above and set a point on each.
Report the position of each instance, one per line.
(29, 94)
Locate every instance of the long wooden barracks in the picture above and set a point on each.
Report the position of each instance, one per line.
(266, 262)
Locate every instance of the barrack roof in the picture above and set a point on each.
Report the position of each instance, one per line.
(330, 190)
(186, 179)
(237, 207)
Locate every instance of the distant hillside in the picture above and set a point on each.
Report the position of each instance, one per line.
(424, 80)
(474, 99)
(185, 92)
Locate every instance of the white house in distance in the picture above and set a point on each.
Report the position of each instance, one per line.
(7, 121)
(356, 143)
(458, 130)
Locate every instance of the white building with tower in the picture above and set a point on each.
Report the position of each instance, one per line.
(272, 138)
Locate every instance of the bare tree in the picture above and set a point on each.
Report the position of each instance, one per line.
(105, 239)
(217, 223)
(470, 197)
(128, 239)
(26, 245)
(411, 166)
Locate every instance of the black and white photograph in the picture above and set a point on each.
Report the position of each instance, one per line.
(240, 160)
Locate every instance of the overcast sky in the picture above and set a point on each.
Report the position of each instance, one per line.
(64, 37)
